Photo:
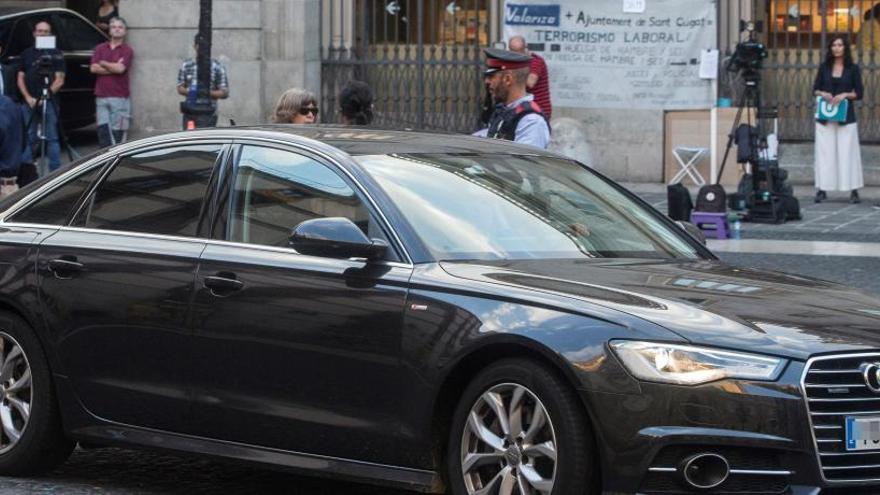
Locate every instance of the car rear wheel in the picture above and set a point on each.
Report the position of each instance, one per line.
(31, 437)
(519, 429)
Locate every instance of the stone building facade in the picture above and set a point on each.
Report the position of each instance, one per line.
(266, 45)
(271, 45)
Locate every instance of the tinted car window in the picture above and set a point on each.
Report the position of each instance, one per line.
(159, 192)
(5, 29)
(17, 196)
(55, 207)
(22, 36)
(500, 207)
(75, 34)
(276, 190)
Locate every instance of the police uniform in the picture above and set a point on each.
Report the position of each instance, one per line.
(520, 121)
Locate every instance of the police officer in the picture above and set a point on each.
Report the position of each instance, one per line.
(516, 116)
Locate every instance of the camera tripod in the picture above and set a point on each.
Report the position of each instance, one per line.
(763, 205)
(40, 111)
(751, 98)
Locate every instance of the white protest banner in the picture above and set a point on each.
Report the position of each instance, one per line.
(600, 57)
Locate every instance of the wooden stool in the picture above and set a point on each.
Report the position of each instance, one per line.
(716, 223)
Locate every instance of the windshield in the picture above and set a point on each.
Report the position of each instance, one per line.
(500, 207)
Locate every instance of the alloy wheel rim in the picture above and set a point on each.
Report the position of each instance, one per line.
(508, 445)
(16, 392)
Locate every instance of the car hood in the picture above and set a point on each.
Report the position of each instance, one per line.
(706, 302)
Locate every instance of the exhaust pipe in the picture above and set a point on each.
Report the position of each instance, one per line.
(704, 471)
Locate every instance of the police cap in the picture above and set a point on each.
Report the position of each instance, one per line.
(498, 60)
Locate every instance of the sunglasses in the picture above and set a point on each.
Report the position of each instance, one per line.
(308, 110)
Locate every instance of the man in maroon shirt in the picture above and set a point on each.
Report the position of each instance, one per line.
(538, 83)
(111, 64)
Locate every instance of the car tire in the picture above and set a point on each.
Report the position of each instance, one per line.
(41, 444)
(554, 456)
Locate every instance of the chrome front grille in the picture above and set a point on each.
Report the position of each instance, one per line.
(834, 388)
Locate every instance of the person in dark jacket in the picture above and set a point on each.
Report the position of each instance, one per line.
(838, 157)
(356, 104)
(106, 12)
(31, 85)
(11, 142)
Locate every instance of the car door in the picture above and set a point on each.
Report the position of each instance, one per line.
(295, 352)
(25, 227)
(77, 38)
(116, 285)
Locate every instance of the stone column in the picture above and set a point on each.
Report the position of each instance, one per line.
(291, 49)
(266, 45)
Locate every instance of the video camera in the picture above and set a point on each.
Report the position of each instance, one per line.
(48, 60)
(748, 57)
(46, 64)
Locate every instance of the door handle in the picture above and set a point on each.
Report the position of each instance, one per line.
(222, 284)
(65, 266)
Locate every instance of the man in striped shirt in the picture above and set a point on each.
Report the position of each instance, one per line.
(538, 83)
(187, 79)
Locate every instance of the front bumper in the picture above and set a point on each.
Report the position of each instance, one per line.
(762, 429)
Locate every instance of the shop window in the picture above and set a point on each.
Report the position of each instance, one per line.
(451, 22)
(799, 23)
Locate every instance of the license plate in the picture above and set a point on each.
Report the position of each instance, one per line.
(862, 433)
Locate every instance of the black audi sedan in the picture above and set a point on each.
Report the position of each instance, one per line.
(426, 311)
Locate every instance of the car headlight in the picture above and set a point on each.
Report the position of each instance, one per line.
(687, 365)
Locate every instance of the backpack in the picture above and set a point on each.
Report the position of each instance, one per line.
(679, 201)
(712, 199)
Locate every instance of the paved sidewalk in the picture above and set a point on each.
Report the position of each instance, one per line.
(785, 247)
(835, 219)
(835, 240)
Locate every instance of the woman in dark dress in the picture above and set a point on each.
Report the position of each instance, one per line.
(108, 10)
(837, 153)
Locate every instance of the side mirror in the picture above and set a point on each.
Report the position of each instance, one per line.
(693, 231)
(335, 237)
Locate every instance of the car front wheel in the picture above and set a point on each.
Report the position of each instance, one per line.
(519, 429)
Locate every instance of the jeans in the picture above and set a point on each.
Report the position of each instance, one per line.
(116, 112)
(113, 116)
(53, 146)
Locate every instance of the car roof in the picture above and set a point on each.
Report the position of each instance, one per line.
(362, 140)
(13, 12)
(6, 11)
